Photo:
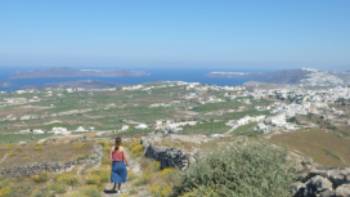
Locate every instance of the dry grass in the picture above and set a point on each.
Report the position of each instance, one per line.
(136, 148)
(91, 181)
(323, 147)
(5, 191)
(85, 191)
(163, 182)
(19, 155)
(67, 178)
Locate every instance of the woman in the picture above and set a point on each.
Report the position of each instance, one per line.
(119, 163)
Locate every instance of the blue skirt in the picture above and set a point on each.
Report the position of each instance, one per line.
(119, 172)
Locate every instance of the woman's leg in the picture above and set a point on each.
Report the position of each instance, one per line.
(119, 186)
(114, 186)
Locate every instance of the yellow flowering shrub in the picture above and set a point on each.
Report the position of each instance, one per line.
(40, 178)
(5, 191)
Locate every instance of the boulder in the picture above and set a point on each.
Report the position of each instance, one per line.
(298, 189)
(338, 177)
(316, 186)
(343, 190)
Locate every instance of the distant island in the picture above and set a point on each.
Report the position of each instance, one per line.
(288, 76)
(71, 73)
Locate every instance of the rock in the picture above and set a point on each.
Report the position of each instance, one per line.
(327, 193)
(323, 183)
(347, 178)
(316, 186)
(337, 177)
(343, 190)
(315, 172)
(168, 157)
(297, 188)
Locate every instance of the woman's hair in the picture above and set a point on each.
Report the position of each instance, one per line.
(118, 143)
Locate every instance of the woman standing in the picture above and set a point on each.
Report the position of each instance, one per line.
(119, 163)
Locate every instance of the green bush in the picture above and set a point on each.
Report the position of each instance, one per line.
(57, 188)
(256, 170)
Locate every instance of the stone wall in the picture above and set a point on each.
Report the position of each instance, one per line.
(36, 168)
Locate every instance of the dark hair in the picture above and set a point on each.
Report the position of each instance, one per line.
(118, 142)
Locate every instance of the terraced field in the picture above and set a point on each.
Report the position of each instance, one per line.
(109, 110)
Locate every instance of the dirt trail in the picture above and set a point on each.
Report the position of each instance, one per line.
(130, 189)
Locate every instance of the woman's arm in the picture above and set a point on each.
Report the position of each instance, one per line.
(125, 158)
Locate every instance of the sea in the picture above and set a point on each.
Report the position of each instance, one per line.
(9, 84)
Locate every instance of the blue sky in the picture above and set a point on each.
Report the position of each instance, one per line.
(168, 33)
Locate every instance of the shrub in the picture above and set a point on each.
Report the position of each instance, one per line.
(5, 191)
(67, 179)
(136, 148)
(256, 169)
(162, 182)
(149, 165)
(38, 147)
(92, 179)
(167, 172)
(104, 173)
(57, 188)
(4, 183)
(40, 178)
(160, 190)
(98, 177)
(150, 168)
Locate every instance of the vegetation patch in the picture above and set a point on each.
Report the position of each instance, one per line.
(253, 169)
(329, 149)
(69, 179)
(40, 178)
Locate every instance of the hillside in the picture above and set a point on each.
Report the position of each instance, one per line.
(56, 141)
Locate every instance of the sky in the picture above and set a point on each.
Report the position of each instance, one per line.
(175, 33)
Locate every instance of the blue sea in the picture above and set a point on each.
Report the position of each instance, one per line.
(7, 83)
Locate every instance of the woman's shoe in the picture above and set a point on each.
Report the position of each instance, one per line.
(111, 191)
